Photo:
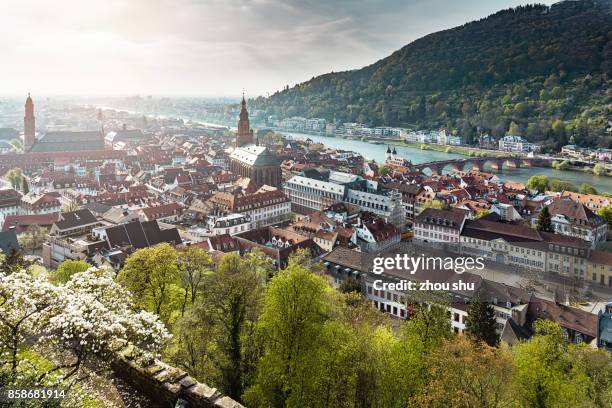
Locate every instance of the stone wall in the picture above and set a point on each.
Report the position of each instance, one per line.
(165, 384)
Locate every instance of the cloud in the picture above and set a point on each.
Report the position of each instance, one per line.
(207, 47)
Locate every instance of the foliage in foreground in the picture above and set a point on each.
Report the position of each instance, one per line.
(284, 339)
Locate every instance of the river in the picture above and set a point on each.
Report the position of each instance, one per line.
(416, 156)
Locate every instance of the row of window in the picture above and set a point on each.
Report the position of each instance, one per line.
(386, 295)
(263, 204)
(433, 235)
(526, 261)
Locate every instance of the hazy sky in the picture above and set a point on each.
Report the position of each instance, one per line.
(207, 47)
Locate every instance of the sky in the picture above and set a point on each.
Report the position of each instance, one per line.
(207, 47)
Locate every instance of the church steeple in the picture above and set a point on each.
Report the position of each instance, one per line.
(29, 124)
(244, 135)
(101, 122)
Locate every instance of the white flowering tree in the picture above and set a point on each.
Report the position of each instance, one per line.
(78, 326)
(26, 305)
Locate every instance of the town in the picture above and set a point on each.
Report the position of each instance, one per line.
(129, 181)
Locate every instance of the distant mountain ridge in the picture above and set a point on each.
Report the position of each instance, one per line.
(544, 71)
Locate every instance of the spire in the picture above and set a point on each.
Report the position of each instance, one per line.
(388, 149)
(394, 151)
(244, 135)
(29, 124)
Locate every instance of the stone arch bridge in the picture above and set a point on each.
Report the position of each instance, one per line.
(478, 163)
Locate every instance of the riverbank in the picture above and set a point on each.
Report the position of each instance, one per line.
(463, 150)
(413, 152)
(460, 150)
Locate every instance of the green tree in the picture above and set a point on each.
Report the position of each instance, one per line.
(292, 325)
(13, 261)
(514, 129)
(194, 265)
(233, 302)
(597, 366)
(193, 344)
(481, 214)
(383, 170)
(558, 128)
(564, 165)
(14, 176)
(262, 264)
(599, 170)
(66, 269)
(561, 185)
(153, 277)
(545, 374)
(606, 213)
(480, 324)
(544, 221)
(586, 188)
(538, 183)
(435, 203)
(468, 374)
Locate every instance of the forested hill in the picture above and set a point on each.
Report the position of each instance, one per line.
(547, 69)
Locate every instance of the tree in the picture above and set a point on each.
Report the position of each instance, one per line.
(153, 277)
(435, 203)
(84, 323)
(564, 165)
(561, 185)
(596, 366)
(481, 214)
(350, 285)
(480, 324)
(33, 237)
(233, 301)
(586, 188)
(193, 346)
(194, 265)
(13, 262)
(545, 374)
(544, 221)
(468, 374)
(599, 170)
(16, 145)
(558, 128)
(66, 269)
(262, 264)
(292, 325)
(383, 170)
(14, 176)
(514, 129)
(538, 183)
(606, 213)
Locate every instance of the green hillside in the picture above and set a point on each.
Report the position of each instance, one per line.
(547, 69)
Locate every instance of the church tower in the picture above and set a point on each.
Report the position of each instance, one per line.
(29, 125)
(244, 135)
(101, 122)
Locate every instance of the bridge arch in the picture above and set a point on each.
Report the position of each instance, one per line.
(453, 166)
